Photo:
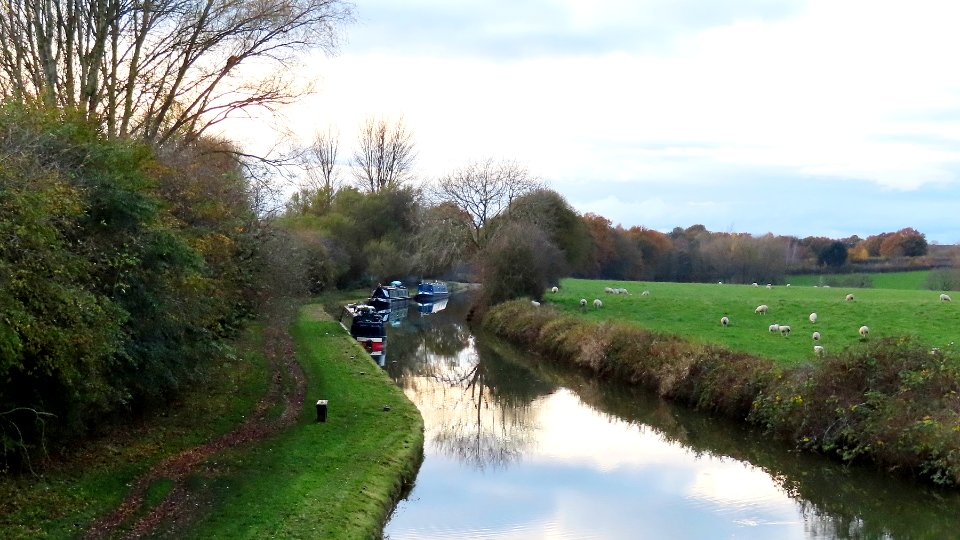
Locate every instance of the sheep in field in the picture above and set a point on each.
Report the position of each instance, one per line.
(608, 290)
(645, 293)
(784, 330)
(813, 318)
(597, 303)
(849, 298)
(818, 350)
(534, 303)
(944, 297)
(623, 291)
(769, 285)
(761, 309)
(774, 328)
(864, 330)
(816, 336)
(724, 321)
(755, 284)
(555, 290)
(583, 303)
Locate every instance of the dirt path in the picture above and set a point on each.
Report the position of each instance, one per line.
(280, 352)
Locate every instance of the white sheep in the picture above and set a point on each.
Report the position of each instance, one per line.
(719, 283)
(813, 318)
(608, 290)
(774, 328)
(849, 298)
(597, 303)
(755, 284)
(583, 302)
(645, 293)
(818, 350)
(788, 284)
(944, 297)
(555, 289)
(784, 330)
(769, 285)
(623, 291)
(864, 330)
(534, 303)
(724, 321)
(761, 309)
(816, 336)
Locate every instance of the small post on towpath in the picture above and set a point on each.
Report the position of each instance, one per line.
(321, 410)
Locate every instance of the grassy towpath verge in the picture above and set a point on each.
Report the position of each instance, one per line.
(337, 479)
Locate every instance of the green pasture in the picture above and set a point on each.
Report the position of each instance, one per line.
(914, 280)
(693, 310)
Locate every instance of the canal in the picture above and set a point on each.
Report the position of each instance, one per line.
(517, 448)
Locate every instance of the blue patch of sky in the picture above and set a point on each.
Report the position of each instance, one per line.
(506, 29)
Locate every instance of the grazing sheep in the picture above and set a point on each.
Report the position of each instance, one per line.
(597, 303)
(719, 283)
(818, 350)
(534, 303)
(864, 330)
(816, 336)
(773, 328)
(784, 330)
(813, 318)
(849, 298)
(623, 291)
(769, 285)
(583, 303)
(788, 284)
(755, 284)
(724, 321)
(608, 290)
(945, 298)
(555, 290)
(761, 309)
(645, 293)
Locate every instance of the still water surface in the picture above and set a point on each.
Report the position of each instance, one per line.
(518, 449)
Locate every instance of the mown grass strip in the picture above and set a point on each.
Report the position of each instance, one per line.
(338, 479)
(91, 479)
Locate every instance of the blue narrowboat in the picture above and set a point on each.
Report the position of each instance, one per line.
(430, 291)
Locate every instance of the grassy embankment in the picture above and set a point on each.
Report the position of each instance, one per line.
(338, 479)
(888, 400)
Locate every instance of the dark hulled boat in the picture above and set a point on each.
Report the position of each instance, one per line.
(431, 291)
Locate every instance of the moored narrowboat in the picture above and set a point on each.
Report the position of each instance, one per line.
(430, 291)
(385, 297)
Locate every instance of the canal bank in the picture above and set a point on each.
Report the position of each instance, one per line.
(893, 403)
(334, 479)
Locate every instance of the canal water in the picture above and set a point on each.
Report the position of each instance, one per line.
(516, 448)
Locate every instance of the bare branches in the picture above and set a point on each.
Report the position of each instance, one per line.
(385, 155)
(155, 68)
(484, 190)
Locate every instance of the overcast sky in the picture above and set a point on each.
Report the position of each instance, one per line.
(804, 118)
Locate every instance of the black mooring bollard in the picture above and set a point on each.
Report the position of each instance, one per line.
(321, 410)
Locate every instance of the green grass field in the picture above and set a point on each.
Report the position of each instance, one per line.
(915, 280)
(693, 310)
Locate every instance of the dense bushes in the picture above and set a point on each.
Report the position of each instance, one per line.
(109, 300)
(893, 402)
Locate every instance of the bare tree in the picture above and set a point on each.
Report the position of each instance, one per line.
(384, 159)
(485, 189)
(157, 68)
